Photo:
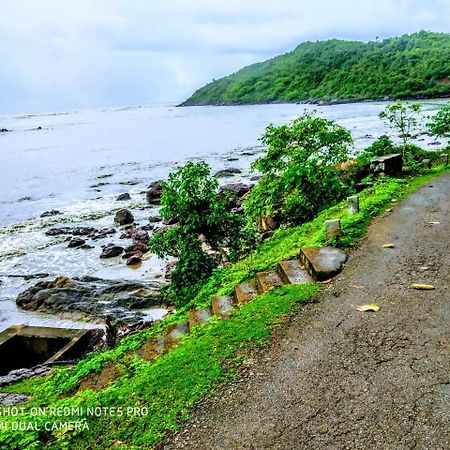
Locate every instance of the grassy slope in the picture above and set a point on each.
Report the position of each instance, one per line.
(407, 66)
(171, 385)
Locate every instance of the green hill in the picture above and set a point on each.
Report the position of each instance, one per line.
(415, 65)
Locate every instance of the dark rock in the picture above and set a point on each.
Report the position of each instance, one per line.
(227, 172)
(134, 259)
(103, 233)
(10, 399)
(154, 192)
(75, 231)
(137, 247)
(76, 242)
(87, 247)
(255, 178)
(123, 197)
(23, 374)
(140, 235)
(239, 189)
(169, 269)
(124, 217)
(154, 219)
(111, 251)
(53, 212)
(4, 130)
(101, 184)
(170, 221)
(129, 183)
(148, 227)
(97, 298)
(106, 175)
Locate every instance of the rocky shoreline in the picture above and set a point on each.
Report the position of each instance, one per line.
(96, 299)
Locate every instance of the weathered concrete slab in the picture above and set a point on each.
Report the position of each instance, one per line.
(199, 315)
(291, 272)
(389, 164)
(222, 305)
(353, 205)
(444, 157)
(333, 228)
(28, 346)
(322, 263)
(426, 163)
(175, 333)
(266, 281)
(245, 292)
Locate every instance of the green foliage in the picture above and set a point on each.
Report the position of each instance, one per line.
(171, 385)
(299, 173)
(203, 222)
(382, 146)
(402, 117)
(416, 65)
(439, 124)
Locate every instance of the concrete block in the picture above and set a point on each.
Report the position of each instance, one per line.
(426, 163)
(199, 315)
(333, 228)
(444, 158)
(222, 305)
(322, 263)
(291, 272)
(353, 204)
(389, 164)
(245, 292)
(266, 281)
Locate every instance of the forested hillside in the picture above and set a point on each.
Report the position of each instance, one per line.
(416, 65)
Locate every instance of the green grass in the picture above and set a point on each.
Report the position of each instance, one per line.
(172, 384)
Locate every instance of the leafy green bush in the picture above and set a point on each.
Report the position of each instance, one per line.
(299, 170)
(205, 233)
(439, 125)
(382, 146)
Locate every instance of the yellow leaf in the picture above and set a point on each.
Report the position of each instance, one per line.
(371, 307)
(423, 287)
(388, 246)
(434, 223)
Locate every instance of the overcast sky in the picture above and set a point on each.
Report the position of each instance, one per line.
(68, 54)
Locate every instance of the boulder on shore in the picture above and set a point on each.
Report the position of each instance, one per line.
(124, 217)
(154, 193)
(123, 197)
(94, 297)
(111, 251)
(76, 242)
(225, 173)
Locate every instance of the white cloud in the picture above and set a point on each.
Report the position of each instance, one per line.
(59, 54)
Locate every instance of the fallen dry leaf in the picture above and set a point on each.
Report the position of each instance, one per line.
(325, 282)
(371, 307)
(388, 246)
(423, 287)
(389, 210)
(434, 223)
(423, 267)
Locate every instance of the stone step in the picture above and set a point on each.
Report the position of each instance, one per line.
(153, 348)
(291, 272)
(267, 281)
(175, 332)
(322, 263)
(222, 305)
(199, 315)
(245, 292)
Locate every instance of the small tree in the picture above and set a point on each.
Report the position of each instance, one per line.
(402, 117)
(439, 124)
(205, 229)
(299, 169)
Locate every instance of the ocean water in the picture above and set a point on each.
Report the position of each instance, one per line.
(78, 162)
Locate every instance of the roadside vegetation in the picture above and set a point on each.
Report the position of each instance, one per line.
(306, 175)
(409, 66)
